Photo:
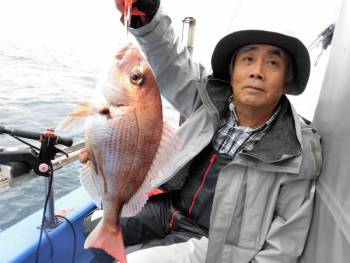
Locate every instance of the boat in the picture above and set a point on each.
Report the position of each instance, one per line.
(329, 238)
(19, 243)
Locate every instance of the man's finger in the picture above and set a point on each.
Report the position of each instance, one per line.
(83, 156)
(136, 12)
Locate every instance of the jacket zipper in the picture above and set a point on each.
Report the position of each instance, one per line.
(211, 162)
(172, 219)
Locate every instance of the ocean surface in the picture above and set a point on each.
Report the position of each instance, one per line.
(38, 86)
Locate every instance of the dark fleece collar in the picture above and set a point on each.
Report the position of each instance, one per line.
(280, 140)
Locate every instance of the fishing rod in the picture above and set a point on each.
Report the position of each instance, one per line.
(37, 136)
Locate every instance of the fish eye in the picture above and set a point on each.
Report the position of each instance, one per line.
(136, 77)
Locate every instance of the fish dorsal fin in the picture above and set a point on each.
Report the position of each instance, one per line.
(167, 147)
(91, 183)
(75, 121)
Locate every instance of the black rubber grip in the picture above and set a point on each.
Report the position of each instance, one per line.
(35, 136)
(67, 141)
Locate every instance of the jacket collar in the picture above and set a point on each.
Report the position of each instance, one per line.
(282, 138)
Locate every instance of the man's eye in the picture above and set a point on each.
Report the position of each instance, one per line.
(273, 62)
(247, 59)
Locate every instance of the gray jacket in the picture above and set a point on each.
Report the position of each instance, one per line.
(263, 200)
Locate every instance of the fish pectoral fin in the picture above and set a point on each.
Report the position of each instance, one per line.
(84, 109)
(109, 239)
(90, 181)
(71, 125)
(75, 121)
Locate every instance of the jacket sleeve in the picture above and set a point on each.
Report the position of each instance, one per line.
(289, 229)
(178, 76)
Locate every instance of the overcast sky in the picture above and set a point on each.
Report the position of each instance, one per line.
(92, 27)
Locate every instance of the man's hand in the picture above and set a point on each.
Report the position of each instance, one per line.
(123, 4)
(84, 155)
(142, 11)
(139, 7)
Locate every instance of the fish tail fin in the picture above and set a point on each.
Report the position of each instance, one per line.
(75, 121)
(108, 239)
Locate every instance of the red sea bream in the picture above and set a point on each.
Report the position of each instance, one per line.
(125, 145)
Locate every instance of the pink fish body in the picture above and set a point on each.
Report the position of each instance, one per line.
(125, 144)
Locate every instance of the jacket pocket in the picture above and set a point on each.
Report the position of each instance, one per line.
(261, 196)
(236, 222)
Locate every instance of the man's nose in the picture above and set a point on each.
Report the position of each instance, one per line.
(257, 70)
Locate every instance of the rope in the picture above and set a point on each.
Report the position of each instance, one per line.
(234, 16)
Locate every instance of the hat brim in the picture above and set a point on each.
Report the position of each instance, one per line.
(225, 48)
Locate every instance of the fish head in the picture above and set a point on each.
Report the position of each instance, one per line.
(131, 79)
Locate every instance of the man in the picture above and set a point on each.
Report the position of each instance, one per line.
(241, 187)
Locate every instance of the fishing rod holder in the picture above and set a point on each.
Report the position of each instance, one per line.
(39, 159)
(191, 23)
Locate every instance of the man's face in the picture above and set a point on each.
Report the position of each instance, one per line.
(258, 77)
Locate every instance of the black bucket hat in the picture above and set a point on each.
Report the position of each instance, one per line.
(221, 58)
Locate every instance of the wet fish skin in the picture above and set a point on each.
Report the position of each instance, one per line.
(121, 144)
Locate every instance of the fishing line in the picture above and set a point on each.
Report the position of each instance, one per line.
(50, 243)
(23, 141)
(234, 15)
(44, 212)
(74, 235)
(314, 43)
(43, 228)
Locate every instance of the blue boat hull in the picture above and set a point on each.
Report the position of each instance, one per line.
(19, 242)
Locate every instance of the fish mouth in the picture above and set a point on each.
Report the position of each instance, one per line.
(119, 105)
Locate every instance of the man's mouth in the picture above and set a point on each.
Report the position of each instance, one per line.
(254, 88)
